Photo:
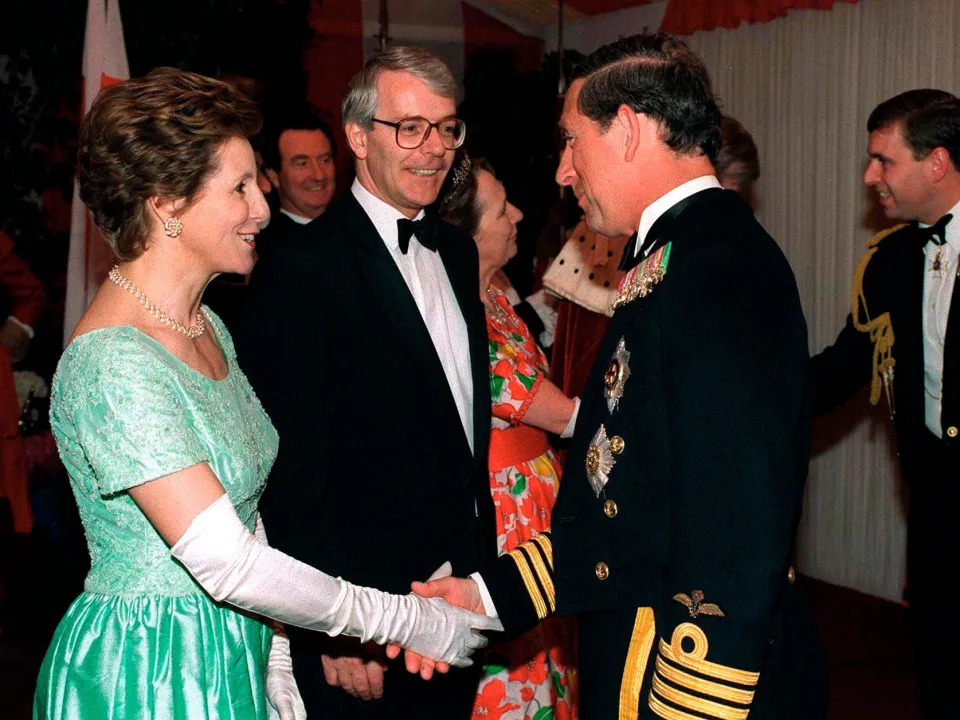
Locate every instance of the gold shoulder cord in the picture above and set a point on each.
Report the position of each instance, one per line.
(879, 328)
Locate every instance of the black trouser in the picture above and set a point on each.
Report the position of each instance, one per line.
(933, 546)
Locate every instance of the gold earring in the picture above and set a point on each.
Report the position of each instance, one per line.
(173, 226)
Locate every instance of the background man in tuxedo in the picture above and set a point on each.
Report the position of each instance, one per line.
(366, 342)
(672, 533)
(903, 338)
(299, 155)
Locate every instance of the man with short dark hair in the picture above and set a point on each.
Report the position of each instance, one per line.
(672, 533)
(903, 338)
(299, 154)
(366, 342)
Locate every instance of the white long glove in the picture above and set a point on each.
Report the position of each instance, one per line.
(283, 695)
(232, 566)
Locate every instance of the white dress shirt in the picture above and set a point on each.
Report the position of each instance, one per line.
(937, 291)
(427, 280)
(658, 207)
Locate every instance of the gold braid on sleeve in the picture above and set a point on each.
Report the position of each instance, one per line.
(880, 327)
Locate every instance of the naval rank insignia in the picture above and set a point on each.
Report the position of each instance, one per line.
(599, 461)
(641, 280)
(616, 375)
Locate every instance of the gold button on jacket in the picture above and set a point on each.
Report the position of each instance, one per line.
(616, 444)
(952, 431)
(602, 571)
(610, 508)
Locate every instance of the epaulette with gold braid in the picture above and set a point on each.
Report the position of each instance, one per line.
(880, 327)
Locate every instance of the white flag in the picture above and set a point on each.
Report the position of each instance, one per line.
(104, 63)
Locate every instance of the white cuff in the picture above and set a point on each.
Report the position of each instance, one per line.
(26, 328)
(547, 315)
(572, 422)
(488, 605)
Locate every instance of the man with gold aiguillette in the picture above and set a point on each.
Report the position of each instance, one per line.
(903, 339)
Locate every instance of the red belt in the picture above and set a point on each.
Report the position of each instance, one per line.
(515, 445)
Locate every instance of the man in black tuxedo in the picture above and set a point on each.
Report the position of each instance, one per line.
(366, 343)
(903, 338)
(299, 153)
(672, 533)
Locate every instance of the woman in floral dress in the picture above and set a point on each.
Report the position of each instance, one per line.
(533, 677)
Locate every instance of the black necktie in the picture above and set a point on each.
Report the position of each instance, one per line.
(937, 233)
(426, 229)
(632, 256)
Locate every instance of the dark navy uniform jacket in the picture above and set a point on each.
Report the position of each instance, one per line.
(680, 568)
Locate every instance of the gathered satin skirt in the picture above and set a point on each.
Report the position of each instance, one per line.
(177, 658)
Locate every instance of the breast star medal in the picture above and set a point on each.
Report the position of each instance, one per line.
(696, 606)
(616, 375)
(599, 461)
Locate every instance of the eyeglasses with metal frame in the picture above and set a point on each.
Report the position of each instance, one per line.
(412, 132)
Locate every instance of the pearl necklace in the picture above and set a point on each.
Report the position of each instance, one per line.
(192, 332)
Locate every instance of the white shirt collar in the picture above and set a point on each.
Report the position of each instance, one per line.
(299, 219)
(663, 203)
(953, 231)
(384, 217)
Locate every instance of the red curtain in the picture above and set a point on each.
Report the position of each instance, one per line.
(683, 17)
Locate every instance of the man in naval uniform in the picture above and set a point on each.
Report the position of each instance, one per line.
(671, 537)
(903, 338)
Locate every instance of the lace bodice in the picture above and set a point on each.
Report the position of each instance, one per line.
(124, 410)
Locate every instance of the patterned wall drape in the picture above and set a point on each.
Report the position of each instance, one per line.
(804, 86)
(683, 17)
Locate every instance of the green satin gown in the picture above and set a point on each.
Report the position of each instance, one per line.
(143, 640)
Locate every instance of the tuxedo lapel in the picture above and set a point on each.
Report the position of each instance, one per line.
(464, 278)
(391, 293)
(951, 343)
(398, 308)
(907, 317)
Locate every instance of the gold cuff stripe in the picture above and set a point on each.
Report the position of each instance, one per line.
(669, 713)
(696, 659)
(638, 653)
(543, 573)
(546, 544)
(704, 687)
(531, 584)
(697, 704)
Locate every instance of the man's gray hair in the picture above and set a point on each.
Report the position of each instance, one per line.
(360, 102)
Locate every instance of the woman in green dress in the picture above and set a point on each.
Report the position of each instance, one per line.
(168, 448)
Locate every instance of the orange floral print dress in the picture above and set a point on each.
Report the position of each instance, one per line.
(534, 676)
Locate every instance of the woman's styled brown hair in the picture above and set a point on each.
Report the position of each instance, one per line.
(457, 201)
(155, 136)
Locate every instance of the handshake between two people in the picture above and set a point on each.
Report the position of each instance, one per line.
(362, 675)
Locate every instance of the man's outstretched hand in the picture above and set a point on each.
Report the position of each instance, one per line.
(462, 592)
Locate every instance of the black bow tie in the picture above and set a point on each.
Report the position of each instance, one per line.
(632, 256)
(427, 230)
(937, 233)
